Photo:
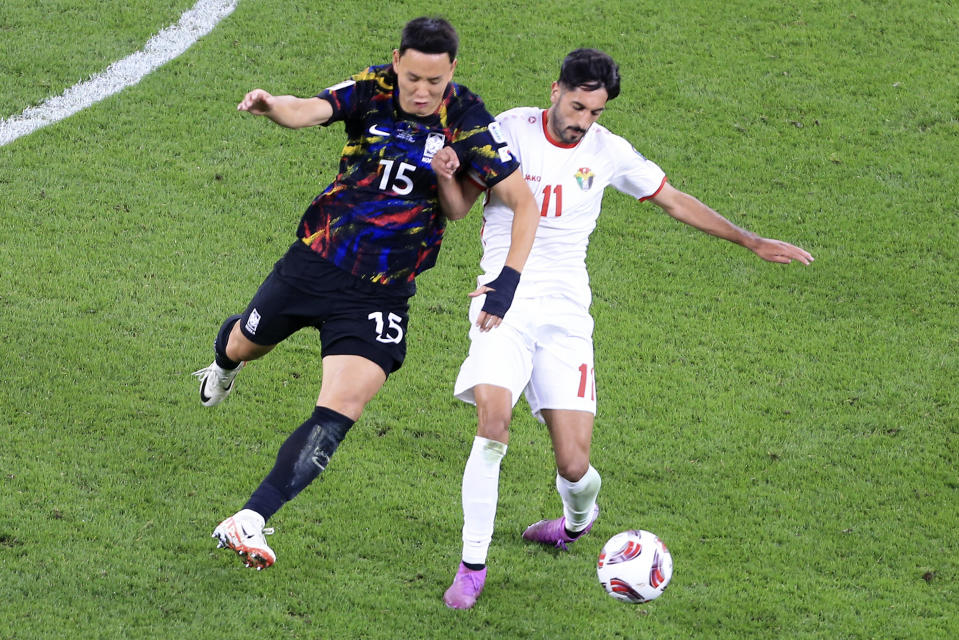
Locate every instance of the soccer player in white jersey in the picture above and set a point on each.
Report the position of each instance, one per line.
(543, 347)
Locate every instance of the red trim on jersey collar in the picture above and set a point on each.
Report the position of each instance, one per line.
(549, 138)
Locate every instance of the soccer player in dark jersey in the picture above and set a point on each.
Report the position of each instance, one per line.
(360, 244)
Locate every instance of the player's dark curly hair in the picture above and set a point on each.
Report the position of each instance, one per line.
(590, 69)
(430, 35)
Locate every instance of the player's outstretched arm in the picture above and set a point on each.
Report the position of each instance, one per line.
(287, 111)
(688, 209)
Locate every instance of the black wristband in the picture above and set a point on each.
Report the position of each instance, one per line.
(503, 288)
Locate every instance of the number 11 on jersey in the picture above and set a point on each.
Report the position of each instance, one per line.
(558, 207)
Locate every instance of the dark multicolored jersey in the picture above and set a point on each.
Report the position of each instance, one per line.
(380, 219)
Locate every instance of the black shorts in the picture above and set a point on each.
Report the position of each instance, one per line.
(354, 317)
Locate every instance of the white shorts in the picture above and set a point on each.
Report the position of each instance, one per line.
(544, 347)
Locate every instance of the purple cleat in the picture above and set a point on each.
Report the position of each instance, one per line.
(466, 587)
(553, 532)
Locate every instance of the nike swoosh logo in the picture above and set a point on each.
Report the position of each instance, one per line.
(379, 132)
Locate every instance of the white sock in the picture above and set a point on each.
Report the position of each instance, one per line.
(579, 498)
(480, 493)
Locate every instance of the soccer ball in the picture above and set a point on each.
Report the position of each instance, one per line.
(634, 566)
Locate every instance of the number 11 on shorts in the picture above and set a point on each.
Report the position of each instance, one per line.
(587, 378)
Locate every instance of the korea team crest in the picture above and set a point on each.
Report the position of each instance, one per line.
(433, 144)
(584, 178)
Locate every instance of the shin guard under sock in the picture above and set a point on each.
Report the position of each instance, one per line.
(579, 498)
(300, 460)
(480, 493)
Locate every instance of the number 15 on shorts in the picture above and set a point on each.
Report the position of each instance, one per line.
(388, 331)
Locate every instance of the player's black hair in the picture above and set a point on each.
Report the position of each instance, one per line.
(590, 69)
(430, 35)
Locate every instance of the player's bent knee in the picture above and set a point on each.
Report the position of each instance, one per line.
(493, 421)
(573, 471)
(493, 429)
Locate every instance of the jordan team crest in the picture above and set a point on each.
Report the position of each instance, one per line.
(584, 178)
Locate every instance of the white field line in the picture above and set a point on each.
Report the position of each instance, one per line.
(160, 49)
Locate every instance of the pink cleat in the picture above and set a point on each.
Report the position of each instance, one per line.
(466, 587)
(553, 532)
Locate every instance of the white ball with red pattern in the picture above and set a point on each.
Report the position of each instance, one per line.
(634, 566)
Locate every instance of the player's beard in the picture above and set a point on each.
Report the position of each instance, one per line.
(565, 132)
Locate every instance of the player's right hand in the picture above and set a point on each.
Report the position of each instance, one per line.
(485, 320)
(499, 294)
(257, 102)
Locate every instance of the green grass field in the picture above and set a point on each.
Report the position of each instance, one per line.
(792, 433)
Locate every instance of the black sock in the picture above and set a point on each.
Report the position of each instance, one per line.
(300, 460)
(219, 345)
(572, 535)
(474, 567)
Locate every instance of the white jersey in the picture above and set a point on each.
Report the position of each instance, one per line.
(568, 183)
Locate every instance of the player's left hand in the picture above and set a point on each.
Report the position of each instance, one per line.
(779, 251)
(445, 163)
